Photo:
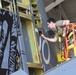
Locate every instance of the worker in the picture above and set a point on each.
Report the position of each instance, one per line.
(56, 27)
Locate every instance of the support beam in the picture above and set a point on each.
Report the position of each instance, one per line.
(63, 14)
(0, 4)
(52, 5)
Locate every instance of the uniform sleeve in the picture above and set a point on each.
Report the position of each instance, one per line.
(56, 35)
(59, 23)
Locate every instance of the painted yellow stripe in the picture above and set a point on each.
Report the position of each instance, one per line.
(32, 40)
(70, 35)
(70, 47)
(26, 2)
(72, 40)
(74, 51)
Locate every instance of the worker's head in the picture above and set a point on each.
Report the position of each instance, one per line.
(51, 23)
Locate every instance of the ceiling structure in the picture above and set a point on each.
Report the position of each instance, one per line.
(61, 9)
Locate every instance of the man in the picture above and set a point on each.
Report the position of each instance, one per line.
(56, 26)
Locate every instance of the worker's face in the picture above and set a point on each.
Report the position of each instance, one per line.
(50, 25)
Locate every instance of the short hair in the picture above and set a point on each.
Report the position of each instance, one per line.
(51, 19)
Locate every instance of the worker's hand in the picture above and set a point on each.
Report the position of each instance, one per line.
(42, 36)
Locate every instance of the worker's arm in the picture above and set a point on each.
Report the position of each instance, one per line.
(66, 22)
(64, 33)
(50, 39)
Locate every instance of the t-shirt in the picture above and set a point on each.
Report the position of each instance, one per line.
(59, 28)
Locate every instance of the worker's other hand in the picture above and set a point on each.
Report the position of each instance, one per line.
(64, 34)
(66, 22)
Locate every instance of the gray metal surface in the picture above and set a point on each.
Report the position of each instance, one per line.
(67, 68)
(19, 72)
(26, 42)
